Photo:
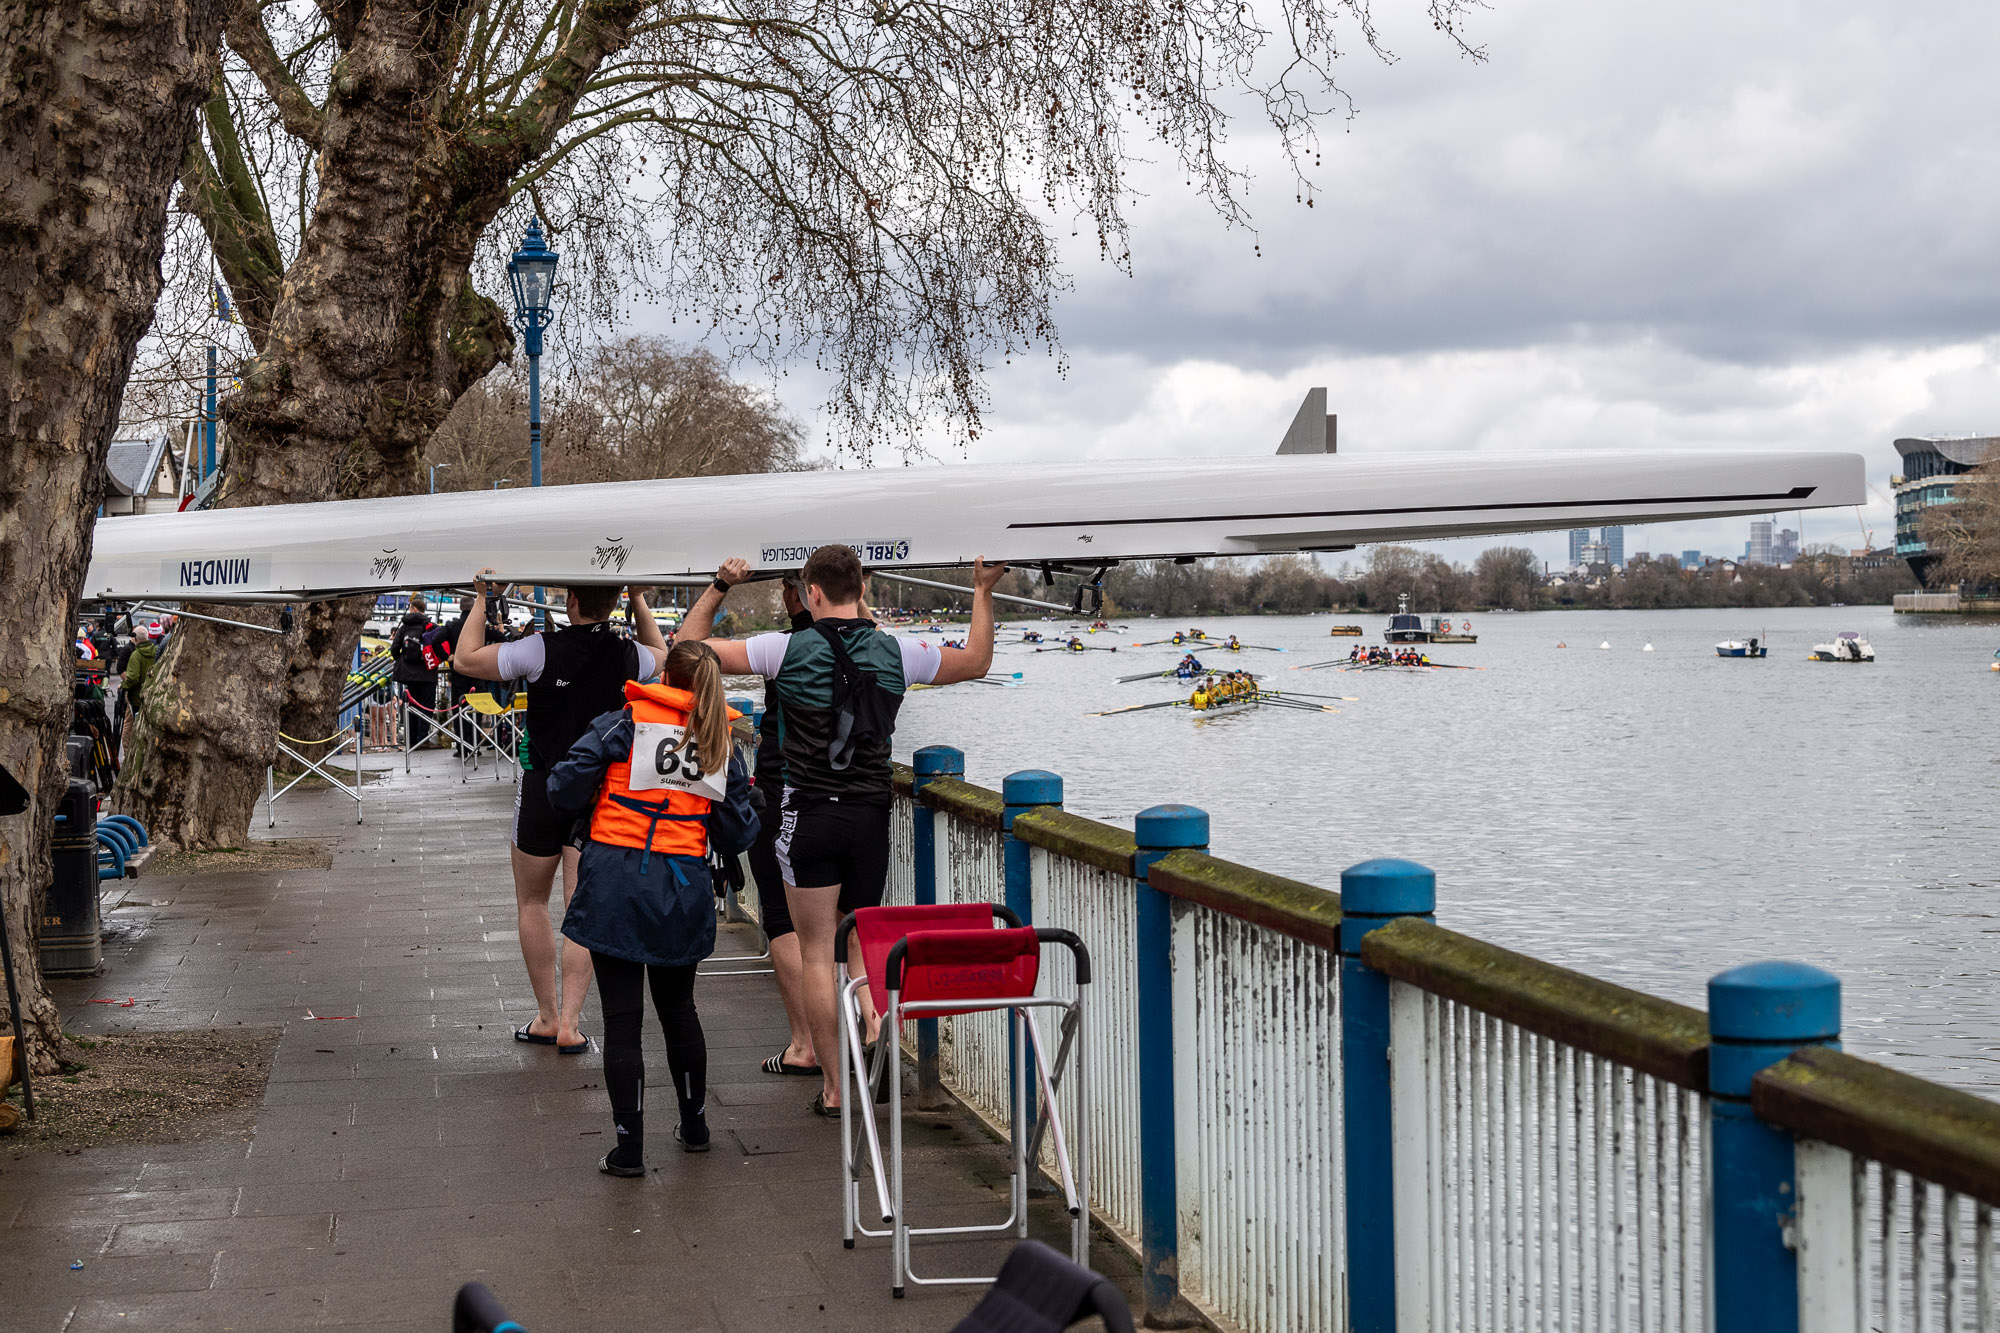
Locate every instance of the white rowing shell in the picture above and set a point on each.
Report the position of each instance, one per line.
(1080, 513)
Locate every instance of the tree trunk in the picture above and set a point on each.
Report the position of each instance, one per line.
(97, 109)
(378, 331)
(323, 646)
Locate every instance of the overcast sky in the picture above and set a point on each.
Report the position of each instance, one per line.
(1692, 225)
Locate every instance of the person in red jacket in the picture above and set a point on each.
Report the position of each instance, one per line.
(664, 786)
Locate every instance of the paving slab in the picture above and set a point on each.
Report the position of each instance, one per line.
(406, 1144)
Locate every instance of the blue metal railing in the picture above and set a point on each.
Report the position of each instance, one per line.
(1521, 1145)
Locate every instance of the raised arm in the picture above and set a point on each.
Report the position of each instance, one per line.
(644, 628)
(472, 655)
(976, 658)
(699, 622)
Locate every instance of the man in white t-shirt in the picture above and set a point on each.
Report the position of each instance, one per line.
(839, 684)
(574, 674)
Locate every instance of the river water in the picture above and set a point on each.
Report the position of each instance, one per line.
(1646, 817)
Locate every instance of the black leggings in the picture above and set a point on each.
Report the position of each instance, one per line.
(621, 985)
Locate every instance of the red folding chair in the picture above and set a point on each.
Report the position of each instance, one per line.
(934, 962)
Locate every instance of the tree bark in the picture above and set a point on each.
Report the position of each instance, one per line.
(377, 332)
(97, 107)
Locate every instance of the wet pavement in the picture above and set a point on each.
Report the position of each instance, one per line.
(406, 1144)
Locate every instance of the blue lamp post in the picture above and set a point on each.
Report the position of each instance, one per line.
(532, 271)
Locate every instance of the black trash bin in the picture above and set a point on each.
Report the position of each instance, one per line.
(72, 931)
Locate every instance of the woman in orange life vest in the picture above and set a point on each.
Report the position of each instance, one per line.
(644, 905)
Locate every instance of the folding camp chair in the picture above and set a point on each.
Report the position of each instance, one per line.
(484, 721)
(933, 962)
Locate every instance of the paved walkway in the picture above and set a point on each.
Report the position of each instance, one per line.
(415, 1146)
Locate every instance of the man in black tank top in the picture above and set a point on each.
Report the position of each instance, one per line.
(573, 675)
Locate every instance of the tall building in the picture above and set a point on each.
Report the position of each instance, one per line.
(1785, 547)
(1614, 545)
(1931, 468)
(1691, 559)
(1578, 539)
(1759, 552)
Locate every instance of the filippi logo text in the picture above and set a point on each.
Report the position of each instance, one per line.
(387, 565)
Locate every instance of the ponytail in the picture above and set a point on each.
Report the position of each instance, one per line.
(692, 666)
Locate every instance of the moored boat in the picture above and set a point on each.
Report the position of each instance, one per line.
(1405, 627)
(1742, 648)
(1347, 631)
(1847, 647)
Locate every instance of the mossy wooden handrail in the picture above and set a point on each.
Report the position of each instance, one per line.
(979, 805)
(1933, 1132)
(1655, 1036)
(1288, 906)
(1105, 846)
(902, 778)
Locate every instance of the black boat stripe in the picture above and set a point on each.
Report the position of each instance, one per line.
(1796, 493)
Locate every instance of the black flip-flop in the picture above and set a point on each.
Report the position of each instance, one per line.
(776, 1065)
(577, 1049)
(521, 1033)
(819, 1107)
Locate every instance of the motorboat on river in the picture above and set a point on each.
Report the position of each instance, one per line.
(1742, 648)
(1847, 647)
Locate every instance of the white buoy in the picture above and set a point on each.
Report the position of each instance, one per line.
(1647, 649)
(1605, 644)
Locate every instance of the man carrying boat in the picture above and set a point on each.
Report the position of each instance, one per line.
(574, 674)
(840, 684)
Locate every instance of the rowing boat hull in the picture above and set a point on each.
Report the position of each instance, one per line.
(1081, 514)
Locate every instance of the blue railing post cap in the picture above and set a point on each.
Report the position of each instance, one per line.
(1031, 786)
(1388, 886)
(743, 705)
(935, 761)
(1774, 1001)
(1166, 826)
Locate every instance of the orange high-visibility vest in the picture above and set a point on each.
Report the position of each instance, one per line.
(668, 821)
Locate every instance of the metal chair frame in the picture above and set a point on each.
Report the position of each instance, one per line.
(349, 735)
(1030, 1059)
(485, 729)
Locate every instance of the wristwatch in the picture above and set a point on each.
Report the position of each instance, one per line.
(720, 587)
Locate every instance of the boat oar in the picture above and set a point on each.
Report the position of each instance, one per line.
(1139, 708)
(1299, 704)
(1145, 675)
(1003, 675)
(1297, 694)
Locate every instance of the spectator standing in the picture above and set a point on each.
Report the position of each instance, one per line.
(574, 674)
(135, 665)
(839, 685)
(663, 785)
(414, 676)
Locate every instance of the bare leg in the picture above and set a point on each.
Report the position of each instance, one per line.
(576, 969)
(786, 965)
(857, 966)
(534, 876)
(816, 918)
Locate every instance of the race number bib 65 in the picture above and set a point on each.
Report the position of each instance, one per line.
(664, 757)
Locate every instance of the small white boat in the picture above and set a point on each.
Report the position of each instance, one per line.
(1848, 647)
(1742, 648)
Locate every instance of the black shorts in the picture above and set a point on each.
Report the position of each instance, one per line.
(772, 910)
(539, 828)
(830, 842)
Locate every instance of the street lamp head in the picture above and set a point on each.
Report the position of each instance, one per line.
(532, 271)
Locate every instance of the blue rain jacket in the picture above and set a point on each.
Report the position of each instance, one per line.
(630, 903)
